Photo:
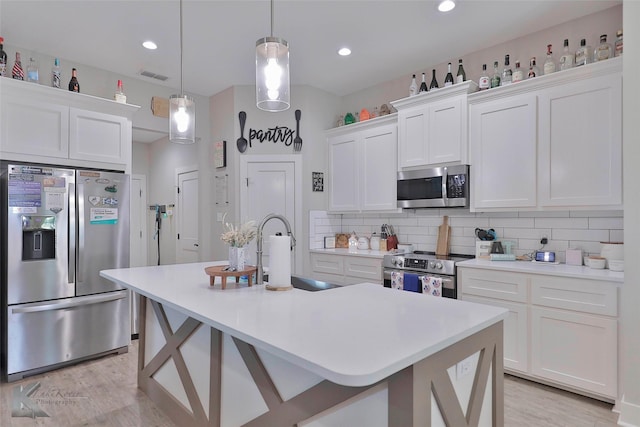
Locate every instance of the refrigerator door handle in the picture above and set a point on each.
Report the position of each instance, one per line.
(71, 302)
(81, 228)
(71, 260)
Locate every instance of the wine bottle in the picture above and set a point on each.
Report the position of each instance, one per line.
(119, 96)
(603, 51)
(434, 82)
(423, 85)
(74, 86)
(567, 58)
(549, 64)
(533, 69)
(55, 74)
(483, 81)
(461, 76)
(413, 87)
(3, 59)
(495, 79)
(448, 80)
(506, 72)
(17, 72)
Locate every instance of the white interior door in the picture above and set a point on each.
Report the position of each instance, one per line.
(268, 187)
(138, 231)
(187, 249)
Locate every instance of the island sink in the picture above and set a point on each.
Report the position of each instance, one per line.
(307, 284)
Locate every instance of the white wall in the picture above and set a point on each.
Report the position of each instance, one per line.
(317, 111)
(630, 293)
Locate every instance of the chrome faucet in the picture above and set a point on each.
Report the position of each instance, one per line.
(259, 268)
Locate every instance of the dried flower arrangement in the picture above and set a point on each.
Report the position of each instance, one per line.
(239, 236)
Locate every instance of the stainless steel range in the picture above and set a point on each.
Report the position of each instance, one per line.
(425, 264)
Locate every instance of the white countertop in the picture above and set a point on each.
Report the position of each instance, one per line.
(577, 271)
(353, 335)
(370, 253)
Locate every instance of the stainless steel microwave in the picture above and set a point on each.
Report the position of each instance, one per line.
(443, 187)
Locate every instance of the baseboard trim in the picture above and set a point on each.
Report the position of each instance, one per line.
(629, 413)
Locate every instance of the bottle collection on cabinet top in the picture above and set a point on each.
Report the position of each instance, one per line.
(449, 80)
(585, 54)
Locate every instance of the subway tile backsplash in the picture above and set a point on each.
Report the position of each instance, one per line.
(564, 229)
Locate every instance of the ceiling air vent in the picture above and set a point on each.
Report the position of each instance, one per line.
(153, 75)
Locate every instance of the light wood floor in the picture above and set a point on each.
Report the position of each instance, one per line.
(104, 393)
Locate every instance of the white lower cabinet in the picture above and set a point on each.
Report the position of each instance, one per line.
(346, 269)
(576, 349)
(560, 330)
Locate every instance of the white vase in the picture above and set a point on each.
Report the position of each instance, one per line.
(237, 257)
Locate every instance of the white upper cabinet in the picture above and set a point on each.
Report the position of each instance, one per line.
(432, 126)
(47, 125)
(363, 166)
(502, 145)
(553, 142)
(580, 143)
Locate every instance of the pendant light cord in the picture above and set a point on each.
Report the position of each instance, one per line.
(181, 87)
(271, 18)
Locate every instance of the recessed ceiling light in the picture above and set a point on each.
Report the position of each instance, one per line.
(150, 45)
(345, 51)
(446, 5)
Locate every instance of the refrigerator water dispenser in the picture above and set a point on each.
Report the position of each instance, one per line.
(38, 237)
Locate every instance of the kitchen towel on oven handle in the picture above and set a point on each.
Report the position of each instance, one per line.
(431, 285)
(411, 282)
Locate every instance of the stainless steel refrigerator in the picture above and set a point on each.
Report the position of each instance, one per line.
(59, 228)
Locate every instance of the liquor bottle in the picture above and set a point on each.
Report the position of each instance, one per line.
(549, 64)
(603, 51)
(583, 54)
(434, 82)
(617, 51)
(3, 59)
(506, 72)
(32, 71)
(567, 58)
(423, 85)
(533, 69)
(119, 96)
(495, 80)
(518, 73)
(483, 81)
(461, 76)
(55, 74)
(413, 87)
(448, 80)
(17, 72)
(74, 86)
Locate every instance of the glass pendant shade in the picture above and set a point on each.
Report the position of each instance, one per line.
(182, 119)
(272, 74)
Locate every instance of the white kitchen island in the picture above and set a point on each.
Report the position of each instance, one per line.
(360, 355)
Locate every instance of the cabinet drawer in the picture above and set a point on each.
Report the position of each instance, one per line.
(328, 264)
(364, 268)
(588, 296)
(493, 284)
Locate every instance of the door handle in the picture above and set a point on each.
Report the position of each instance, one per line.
(196, 245)
(71, 302)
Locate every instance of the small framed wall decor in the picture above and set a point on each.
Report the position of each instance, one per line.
(329, 242)
(220, 154)
(318, 181)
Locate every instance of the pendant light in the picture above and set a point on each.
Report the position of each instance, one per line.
(272, 72)
(182, 110)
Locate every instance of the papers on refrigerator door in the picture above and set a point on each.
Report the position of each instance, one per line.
(103, 216)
